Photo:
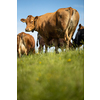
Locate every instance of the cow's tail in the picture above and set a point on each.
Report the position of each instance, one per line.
(70, 11)
(22, 36)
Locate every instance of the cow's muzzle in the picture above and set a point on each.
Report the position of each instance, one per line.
(27, 30)
(33, 30)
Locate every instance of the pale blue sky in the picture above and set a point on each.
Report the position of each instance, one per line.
(40, 7)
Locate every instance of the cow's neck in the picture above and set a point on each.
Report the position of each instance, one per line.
(36, 24)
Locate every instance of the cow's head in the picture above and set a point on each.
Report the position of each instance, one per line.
(29, 23)
(80, 27)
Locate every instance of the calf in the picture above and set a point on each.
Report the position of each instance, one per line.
(25, 43)
(61, 42)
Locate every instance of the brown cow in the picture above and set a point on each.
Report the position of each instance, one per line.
(61, 42)
(25, 43)
(59, 24)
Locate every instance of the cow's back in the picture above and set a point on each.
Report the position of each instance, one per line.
(26, 43)
(46, 24)
(29, 42)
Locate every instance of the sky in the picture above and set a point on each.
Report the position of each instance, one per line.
(40, 7)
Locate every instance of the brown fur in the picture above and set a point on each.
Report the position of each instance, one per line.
(59, 24)
(25, 43)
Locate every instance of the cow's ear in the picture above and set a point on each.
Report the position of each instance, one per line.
(79, 25)
(36, 17)
(23, 20)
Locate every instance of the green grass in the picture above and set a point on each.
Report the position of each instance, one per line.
(51, 76)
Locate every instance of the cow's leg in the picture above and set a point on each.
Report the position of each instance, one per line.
(42, 48)
(19, 52)
(67, 39)
(56, 45)
(71, 34)
(63, 47)
(67, 44)
(39, 48)
(25, 51)
(46, 46)
(34, 51)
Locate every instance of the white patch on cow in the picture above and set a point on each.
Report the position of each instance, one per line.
(22, 47)
(71, 17)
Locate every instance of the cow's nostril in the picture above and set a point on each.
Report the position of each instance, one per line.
(27, 29)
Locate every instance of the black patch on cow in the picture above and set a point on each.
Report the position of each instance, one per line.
(79, 38)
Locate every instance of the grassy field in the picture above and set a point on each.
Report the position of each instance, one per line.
(51, 76)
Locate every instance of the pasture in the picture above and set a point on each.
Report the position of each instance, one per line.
(51, 76)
